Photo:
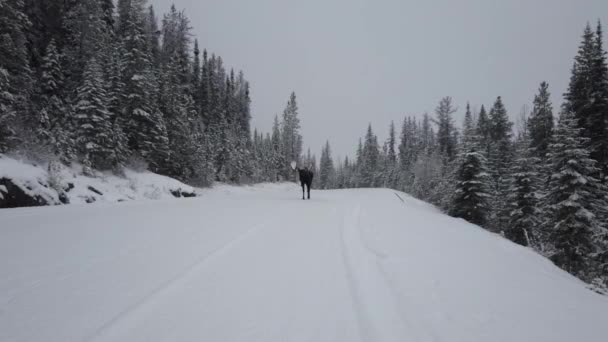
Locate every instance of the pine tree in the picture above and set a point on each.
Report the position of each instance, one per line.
(577, 97)
(243, 102)
(469, 133)
(499, 160)
(326, 168)
(370, 160)
(15, 75)
(358, 166)
(277, 158)
(152, 34)
(88, 37)
(445, 132)
(93, 126)
(55, 123)
(523, 196)
(501, 127)
(144, 124)
(587, 95)
(541, 122)
(470, 200)
(404, 147)
(572, 220)
(178, 108)
(290, 135)
(427, 135)
(408, 151)
(597, 121)
(196, 79)
(483, 131)
(391, 159)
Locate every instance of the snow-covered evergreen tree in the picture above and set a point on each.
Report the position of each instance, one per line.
(523, 199)
(573, 202)
(597, 122)
(93, 125)
(445, 131)
(369, 166)
(587, 95)
(483, 131)
(55, 123)
(326, 168)
(469, 132)
(541, 122)
(291, 140)
(88, 37)
(15, 75)
(277, 158)
(499, 160)
(470, 199)
(144, 124)
(391, 172)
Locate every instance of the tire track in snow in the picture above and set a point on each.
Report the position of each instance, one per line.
(166, 286)
(379, 316)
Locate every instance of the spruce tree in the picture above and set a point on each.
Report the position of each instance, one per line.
(88, 37)
(470, 199)
(577, 97)
(541, 122)
(445, 132)
(597, 121)
(427, 135)
(144, 124)
(483, 131)
(196, 79)
(93, 126)
(152, 34)
(391, 158)
(326, 168)
(523, 199)
(52, 111)
(587, 95)
(469, 132)
(290, 135)
(370, 160)
(277, 158)
(15, 75)
(499, 159)
(572, 220)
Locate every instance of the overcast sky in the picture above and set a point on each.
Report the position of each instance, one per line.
(360, 61)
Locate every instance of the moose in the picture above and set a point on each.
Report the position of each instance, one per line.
(306, 176)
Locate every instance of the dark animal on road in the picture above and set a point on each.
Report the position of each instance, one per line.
(305, 179)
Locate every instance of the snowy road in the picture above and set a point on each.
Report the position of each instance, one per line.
(259, 264)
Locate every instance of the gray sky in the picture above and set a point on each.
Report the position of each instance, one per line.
(360, 61)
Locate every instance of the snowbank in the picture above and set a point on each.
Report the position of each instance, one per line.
(24, 183)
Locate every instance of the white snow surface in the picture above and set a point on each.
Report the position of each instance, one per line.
(35, 179)
(259, 264)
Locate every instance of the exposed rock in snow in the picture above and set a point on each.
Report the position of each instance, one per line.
(24, 183)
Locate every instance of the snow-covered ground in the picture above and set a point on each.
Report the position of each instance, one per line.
(259, 264)
(35, 180)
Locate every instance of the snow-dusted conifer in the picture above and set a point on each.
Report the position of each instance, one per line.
(326, 168)
(573, 204)
(470, 199)
(523, 199)
(290, 135)
(93, 126)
